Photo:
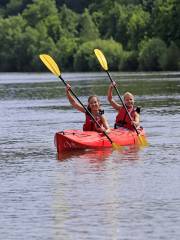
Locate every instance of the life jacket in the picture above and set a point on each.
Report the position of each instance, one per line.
(122, 119)
(90, 125)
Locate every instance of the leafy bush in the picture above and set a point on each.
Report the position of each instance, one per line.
(173, 57)
(85, 59)
(152, 55)
(130, 61)
(66, 48)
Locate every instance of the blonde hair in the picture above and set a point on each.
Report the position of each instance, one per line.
(128, 94)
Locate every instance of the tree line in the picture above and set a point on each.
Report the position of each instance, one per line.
(135, 35)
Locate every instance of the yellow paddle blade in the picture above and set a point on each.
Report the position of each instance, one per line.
(50, 64)
(142, 141)
(100, 56)
(117, 146)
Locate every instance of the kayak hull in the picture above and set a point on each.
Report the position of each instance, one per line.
(69, 140)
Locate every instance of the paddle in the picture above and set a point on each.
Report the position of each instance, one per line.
(53, 67)
(142, 141)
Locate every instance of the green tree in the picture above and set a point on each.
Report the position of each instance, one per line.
(137, 26)
(46, 14)
(14, 7)
(3, 3)
(36, 41)
(69, 30)
(103, 6)
(66, 49)
(166, 23)
(2, 7)
(115, 24)
(21, 45)
(69, 21)
(77, 6)
(148, 5)
(173, 57)
(152, 55)
(11, 30)
(88, 30)
(54, 27)
(98, 18)
(130, 61)
(85, 59)
(39, 10)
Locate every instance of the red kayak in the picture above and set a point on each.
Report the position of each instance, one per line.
(77, 139)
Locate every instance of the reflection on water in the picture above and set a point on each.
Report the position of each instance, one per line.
(92, 155)
(100, 155)
(94, 194)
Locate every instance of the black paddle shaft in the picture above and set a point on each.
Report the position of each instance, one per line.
(117, 91)
(85, 109)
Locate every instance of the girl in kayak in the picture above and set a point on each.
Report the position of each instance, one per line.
(94, 109)
(122, 118)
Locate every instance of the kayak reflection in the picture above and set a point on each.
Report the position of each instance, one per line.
(100, 155)
(90, 154)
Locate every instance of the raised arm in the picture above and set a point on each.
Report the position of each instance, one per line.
(113, 103)
(73, 101)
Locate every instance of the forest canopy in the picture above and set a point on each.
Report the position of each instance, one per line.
(134, 34)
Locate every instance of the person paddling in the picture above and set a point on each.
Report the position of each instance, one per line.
(94, 109)
(122, 118)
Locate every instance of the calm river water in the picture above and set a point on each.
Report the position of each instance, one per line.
(93, 195)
